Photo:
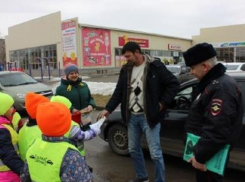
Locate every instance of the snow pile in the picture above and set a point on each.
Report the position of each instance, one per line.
(96, 87)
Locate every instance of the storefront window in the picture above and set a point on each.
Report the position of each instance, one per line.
(225, 54)
(22, 58)
(240, 54)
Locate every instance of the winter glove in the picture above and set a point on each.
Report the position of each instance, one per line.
(96, 126)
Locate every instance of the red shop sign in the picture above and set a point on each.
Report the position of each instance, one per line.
(142, 42)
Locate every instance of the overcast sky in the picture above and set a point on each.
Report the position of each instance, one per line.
(180, 18)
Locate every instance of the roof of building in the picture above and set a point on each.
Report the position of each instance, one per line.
(130, 31)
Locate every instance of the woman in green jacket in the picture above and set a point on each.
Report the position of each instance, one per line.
(73, 88)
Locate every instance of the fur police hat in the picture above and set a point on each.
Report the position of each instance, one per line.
(199, 53)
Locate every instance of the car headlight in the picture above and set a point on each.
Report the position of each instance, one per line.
(21, 96)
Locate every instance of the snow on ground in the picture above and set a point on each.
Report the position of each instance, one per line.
(95, 87)
(55, 78)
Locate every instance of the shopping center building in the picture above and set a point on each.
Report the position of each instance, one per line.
(48, 40)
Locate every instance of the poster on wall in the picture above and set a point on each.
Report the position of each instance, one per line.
(124, 39)
(96, 47)
(69, 42)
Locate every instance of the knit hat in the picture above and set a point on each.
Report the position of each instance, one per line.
(62, 100)
(6, 102)
(70, 68)
(53, 119)
(199, 53)
(32, 100)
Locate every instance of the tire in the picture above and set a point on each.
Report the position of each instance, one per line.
(118, 139)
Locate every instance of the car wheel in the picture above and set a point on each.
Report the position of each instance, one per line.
(118, 139)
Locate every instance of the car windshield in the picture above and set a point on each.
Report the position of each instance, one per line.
(231, 67)
(174, 69)
(14, 79)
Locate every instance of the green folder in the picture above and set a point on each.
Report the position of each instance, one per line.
(216, 164)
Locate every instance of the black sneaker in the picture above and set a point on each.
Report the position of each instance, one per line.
(140, 180)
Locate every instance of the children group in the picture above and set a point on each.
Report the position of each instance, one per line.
(49, 147)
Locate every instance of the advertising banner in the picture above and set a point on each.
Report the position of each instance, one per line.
(69, 42)
(96, 47)
(228, 44)
(124, 39)
(174, 47)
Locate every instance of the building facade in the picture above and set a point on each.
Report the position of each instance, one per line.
(2, 51)
(229, 41)
(49, 41)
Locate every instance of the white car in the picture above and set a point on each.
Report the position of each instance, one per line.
(233, 67)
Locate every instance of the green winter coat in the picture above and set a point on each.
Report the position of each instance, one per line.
(77, 92)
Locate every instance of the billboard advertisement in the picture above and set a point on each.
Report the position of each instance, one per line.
(96, 47)
(69, 42)
(124, 39)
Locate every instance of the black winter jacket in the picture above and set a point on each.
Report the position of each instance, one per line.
(216, 113)
(7, 152)
(160, 86)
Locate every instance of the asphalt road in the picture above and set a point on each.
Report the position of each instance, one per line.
(110, 167)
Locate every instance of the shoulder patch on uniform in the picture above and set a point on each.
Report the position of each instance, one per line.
(216, 106)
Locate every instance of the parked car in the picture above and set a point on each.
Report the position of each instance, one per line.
(182, 72)
(172, 129)
(17, 84)
(231, 67)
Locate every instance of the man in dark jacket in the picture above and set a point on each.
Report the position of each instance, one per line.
(145, 88)
(216, 112)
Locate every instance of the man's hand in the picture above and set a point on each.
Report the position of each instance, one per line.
(102, 114)
(160, 106)
(74, 110)
(197, 165)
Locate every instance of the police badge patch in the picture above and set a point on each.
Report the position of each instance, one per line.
(216, 106)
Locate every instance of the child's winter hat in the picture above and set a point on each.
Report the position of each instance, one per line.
(32, 100)
(62, 100)
(6, 102)
(70, 68)
(53, 119)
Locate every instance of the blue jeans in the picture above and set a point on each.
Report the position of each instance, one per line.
(136, 127)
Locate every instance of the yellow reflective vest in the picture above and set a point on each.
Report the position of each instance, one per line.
(27, 135)
(14, 138)
(45, 159)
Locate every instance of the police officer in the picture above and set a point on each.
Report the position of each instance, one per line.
(217, 109)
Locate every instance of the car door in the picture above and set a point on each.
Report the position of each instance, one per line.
(240, 144)
(172, 129)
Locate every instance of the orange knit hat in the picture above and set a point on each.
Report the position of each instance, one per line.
(32, 101)
(54, 119)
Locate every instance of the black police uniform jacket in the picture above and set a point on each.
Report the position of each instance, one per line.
(216, 113)
(160, 86)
